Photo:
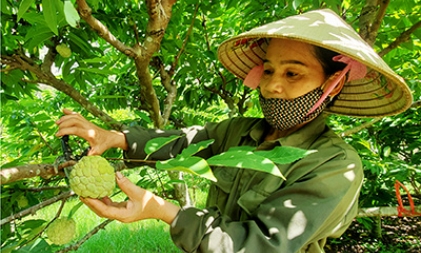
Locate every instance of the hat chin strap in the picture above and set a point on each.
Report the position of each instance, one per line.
(329, 89)
(252, 79)
(356, 71)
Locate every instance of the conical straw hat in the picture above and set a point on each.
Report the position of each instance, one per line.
(380, 93)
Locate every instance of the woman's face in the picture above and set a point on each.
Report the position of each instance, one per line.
(290, 70)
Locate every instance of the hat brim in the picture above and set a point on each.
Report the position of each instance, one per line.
(380, 93)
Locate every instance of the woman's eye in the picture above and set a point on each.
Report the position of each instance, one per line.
(291, 74)
(267, 72)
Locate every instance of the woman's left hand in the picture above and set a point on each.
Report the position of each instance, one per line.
(142, 204)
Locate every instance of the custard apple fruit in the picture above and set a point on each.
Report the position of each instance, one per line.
(64, 50)
(61, 231)
(22, 202)
(92, 177)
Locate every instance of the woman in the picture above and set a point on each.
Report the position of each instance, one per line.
(298, 64)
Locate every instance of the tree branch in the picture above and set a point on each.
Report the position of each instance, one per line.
(25, 63)
(416, 104)
(370, 123)
(170, 87)
(141, 56)
(368, 14)
(375, 26)
(159, 17)
(360, 127)
(48, 60)
(147, 93)
(17, 173)
(403, 37)
(384, 211)
(85, 13)
(34, 209)
(183, 47)
(10, 175)
(45, 188)
(167, 76)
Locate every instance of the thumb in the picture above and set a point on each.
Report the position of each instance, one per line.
(94, 151)
(68, 111)
(131, 190)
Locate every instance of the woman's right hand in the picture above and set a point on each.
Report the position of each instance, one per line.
(98, 138)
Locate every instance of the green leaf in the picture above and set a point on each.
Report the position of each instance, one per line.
(195, 148)
(81, 43)
(67, 67)
(31, 227)
(6, 8)
(155, 144)
(37, 40)
(297, 3)
(50, 14)
(193, 165)
(72, 17)
(23, 7)
(94, 4)
(35, 19)
(74, 209)
(245, 159)
(143, 116)
(284, 154)
(39, 245)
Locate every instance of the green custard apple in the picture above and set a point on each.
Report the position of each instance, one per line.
(61, 231)
(22, 202)
(92, 177)
(64, 50)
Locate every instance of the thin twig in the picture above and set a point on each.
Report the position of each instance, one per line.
(85, 13)
(183, 47)
(415, 186)
(47, 188)
(375, 25)
(370, 123)
(384, 211)
(34, 209)
(367, 16)
(25, 63)
(360, 127)
(403, 37)
(41, 136)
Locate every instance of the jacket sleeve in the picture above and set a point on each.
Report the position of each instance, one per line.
(299, 215)
(137, 137)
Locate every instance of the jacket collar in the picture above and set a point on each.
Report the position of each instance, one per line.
(302, 138)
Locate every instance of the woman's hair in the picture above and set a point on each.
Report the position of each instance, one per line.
(330, 67)
(325, 56)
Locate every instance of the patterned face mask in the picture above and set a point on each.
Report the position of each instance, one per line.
(283, 114)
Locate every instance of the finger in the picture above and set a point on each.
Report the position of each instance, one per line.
(70, 118)
(95, 205)
(68, 111)
(131, 190)
(103, 210)
(68, 131)
(106, 200)
(94, 151)
(109, 202)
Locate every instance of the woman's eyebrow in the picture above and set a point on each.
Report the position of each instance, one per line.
(288, 62)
